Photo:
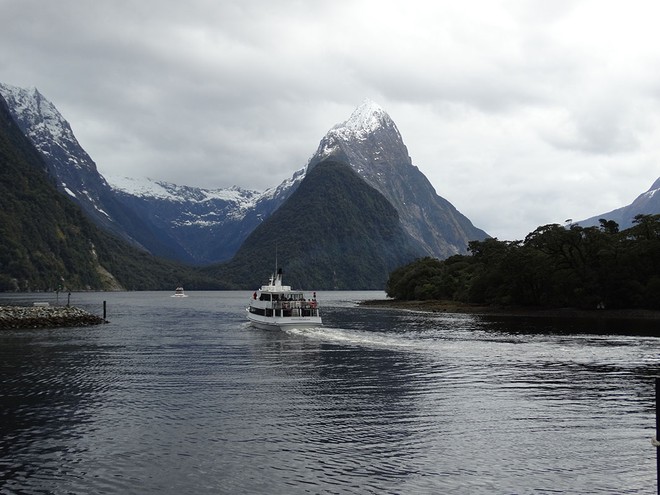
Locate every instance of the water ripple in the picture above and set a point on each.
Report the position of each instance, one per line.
(182, 399)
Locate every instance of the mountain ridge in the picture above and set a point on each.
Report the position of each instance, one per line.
(74, 170)
(647, 203)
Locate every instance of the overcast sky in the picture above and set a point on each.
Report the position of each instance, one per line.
(520, 113)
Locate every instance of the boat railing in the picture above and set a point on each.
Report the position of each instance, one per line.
(294, 304)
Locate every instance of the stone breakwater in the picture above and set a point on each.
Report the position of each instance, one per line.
(45, 317)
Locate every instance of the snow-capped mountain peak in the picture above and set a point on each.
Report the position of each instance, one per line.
(370, 143)
(369, 127)
(38, 117)
(366, 121)
(366, 118)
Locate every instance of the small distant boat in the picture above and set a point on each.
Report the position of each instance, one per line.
(276, 306)
(179, 292)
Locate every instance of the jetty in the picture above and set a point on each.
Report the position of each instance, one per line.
(46, 316)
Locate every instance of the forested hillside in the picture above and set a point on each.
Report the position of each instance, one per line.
(593, 267)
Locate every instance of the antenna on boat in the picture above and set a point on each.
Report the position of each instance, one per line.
(277, 275)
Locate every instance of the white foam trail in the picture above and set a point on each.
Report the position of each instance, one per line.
(358, 338)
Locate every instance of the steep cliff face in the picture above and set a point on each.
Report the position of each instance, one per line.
(647, 203)
(371, 144)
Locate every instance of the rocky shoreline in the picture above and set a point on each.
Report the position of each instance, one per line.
(434, 306)
(15, 317)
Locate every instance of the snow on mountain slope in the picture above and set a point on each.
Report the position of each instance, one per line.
(40, 117)
(364, 120)
(368, 140)
(149, 188)
(207, 225)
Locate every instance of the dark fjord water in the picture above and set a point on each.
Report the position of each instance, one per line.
(181, 396)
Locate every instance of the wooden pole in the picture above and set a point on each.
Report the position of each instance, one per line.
(103, 310)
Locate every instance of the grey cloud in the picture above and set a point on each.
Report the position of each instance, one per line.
(222, 93)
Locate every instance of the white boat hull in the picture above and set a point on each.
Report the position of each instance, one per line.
(283, 323)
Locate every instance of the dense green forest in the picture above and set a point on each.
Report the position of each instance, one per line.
(555, 266)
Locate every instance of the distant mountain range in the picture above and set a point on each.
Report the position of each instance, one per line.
(201, 226)
(356, 211)
(210, 225)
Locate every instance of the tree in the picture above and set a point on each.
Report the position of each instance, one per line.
(554, 266)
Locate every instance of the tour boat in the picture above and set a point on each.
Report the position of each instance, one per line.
(179, 292)
(277, 306)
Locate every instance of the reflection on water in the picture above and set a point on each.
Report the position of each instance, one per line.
(181, 396)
